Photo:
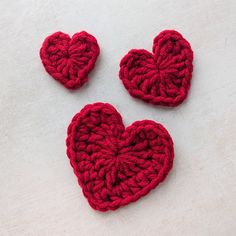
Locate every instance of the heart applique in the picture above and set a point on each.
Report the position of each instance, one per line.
(162, 77)
(116, 166)
(69, 60)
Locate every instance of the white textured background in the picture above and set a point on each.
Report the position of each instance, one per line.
(39, 194)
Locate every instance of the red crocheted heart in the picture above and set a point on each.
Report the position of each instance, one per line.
(69, 60)
(114, 165)
(162, 77)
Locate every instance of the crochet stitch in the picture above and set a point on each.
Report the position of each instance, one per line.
(162, 77)
(114, 165)
(69, 60)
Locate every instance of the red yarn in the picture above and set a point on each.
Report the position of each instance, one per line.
(114, 165)
(69, 60)
(162, 77)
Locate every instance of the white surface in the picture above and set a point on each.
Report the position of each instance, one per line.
(39, 194)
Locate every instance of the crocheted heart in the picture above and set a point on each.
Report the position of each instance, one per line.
(114, 165)
(162, 77)
(69, 60)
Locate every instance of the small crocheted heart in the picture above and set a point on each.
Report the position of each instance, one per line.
(114, 165)
(162, 77)
(69, 60)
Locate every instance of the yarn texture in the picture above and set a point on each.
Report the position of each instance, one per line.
(162, 77)
(69, 60)
(116, 166)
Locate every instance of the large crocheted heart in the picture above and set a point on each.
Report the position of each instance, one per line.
(114, 165)
(162, 77)
(69, 60)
